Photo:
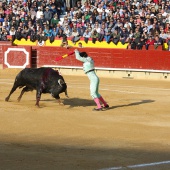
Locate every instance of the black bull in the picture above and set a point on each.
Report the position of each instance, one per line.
(43, 80)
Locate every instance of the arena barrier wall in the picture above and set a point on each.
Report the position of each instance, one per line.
(2, 44)
(113, 62)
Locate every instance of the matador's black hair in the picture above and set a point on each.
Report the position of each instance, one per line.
(83, 54)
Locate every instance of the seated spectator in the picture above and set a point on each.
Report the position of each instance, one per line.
(54, 32)
(42, 37)
(25, 20)
(25, 32)
(78, 13)
(65, 21)
(131, 33)
(47, 15)
(78, 4)
(145, 35)
(83, 19)
(29, 16)
(141, 43)
(86, 16)
(153, 30)
(12, 31)
(53, 10)
(110, 24)
(15, 21)
(80, 23)
(41, 21)
(33, 13)
(54, 21)
(39, 13)
(52, 38)
(162, 34)
(73, 25)
(60, 7)
(75, 36)
(6, 26)
(91, 20)
(86, 35)
(47, 31)
(137, 35)
(72, 13)
(67, 31)
(157, 41)
(101, 33)
(74, 19)
(30, 25)
(61, 35)
(149, 42)
(33, 35)
(107, 35)
(124, 36)
(96, 26)
(81, 31)
(1, 14)
(3, 35)
(18, 35)
(116, 37)
(132, 43)
(94, 36)
(100, 18)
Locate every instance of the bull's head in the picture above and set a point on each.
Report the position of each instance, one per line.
(62, 83)
(58, 88)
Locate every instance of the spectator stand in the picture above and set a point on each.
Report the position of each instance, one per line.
(140, 18)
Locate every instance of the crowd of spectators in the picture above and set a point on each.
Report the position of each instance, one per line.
(136, 22)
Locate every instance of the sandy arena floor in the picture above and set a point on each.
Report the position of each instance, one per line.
(133, 134)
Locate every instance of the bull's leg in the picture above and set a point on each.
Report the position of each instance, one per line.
(58, 100)
(12, 90)
(38, 96)
(25, 89)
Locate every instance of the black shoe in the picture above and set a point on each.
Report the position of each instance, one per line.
(106, 107)
(97, 109)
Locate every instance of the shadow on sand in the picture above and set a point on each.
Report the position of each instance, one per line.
(30, 156)
(75, 102)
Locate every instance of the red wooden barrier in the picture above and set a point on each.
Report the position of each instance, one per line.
(3, 43)
(20, 57)
(107, 58)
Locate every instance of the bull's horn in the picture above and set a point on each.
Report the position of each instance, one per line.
(66, 93)
(60, 82)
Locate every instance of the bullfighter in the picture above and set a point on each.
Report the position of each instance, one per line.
(88, 67)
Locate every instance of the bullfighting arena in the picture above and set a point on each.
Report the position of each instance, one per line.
(133, 134)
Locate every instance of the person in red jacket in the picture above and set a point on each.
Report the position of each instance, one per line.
(149, 42)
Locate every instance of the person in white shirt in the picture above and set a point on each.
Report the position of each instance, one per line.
(100, 8)
(39, 13)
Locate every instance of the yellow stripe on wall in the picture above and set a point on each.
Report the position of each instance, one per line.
(57, 43)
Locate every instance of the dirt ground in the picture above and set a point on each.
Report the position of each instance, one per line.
(133, 134)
